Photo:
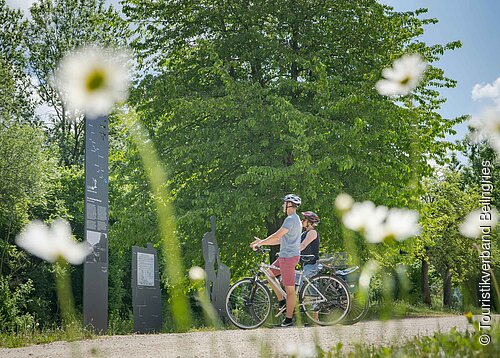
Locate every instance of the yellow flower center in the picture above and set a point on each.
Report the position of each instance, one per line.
(96, 80)
(405, 80)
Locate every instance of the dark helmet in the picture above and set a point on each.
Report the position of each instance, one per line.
(311, 217)
(292, 198)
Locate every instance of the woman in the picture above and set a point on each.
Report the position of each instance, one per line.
(309, 244)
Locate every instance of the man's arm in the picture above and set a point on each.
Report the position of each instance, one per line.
(273, 239)
(310, 237)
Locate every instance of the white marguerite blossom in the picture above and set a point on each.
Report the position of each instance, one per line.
(377, 223)
(477, 221)
(369, 270)
(196, 273)
(404, 75)
(303, 350)
(91, 80)
(402, 224)
(343, 202)
(364, 216)
(52, 243)
(486, 126)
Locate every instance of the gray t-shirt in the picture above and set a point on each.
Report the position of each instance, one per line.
(290, 242)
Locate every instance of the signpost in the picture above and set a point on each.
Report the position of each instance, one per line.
(95, 270)
(146, 291)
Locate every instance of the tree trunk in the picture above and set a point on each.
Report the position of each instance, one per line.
(424, 282)
(447, 288)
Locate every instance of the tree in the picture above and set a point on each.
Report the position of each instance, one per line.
(56, 28)
(446, 204)
(16, 101)
(250, 101)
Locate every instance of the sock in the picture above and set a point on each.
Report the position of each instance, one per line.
(288, 320)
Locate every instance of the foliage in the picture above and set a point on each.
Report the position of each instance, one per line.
(245, 102)
(16, 102)
(56, 28)
(247, 108)
(13, 304)
(24, 178)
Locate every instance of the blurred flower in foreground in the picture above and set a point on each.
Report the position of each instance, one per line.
(402, 224)
(92, 80)
(343, 202)
(369, 270)
(486, 126)
(402, 77)
(302, 350)
(469, 316)
(477, 221)
(52, 243)
(196, 273)
(367, 219)
(377, 223)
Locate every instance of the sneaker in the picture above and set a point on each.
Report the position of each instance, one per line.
(287, 322)
(282, 304)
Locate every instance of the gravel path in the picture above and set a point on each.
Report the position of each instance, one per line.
(239, 343)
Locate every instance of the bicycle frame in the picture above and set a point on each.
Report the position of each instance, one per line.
(273, 281)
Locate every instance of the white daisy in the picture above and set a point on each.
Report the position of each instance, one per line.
(486, 126)
(196, 273)
(343, 202)
(302, 350)
(369, 270)
(377, 223)
(477, 220)
(364, 216)
(402, 224)
(52, 243)
(91, 80)
(404, 75)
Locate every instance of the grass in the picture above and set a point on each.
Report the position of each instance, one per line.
(34, 336)
(449, 344)
(401, 309)
(38, 336)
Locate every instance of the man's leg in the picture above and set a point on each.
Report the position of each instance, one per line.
(279, 296)
(275, 273)
(290, 301)
(287, 266)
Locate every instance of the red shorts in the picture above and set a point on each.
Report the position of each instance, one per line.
(286, 269)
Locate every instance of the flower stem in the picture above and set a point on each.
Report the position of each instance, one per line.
(171, 249)
(66, 305)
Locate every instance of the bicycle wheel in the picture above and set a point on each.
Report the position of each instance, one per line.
(325, 300)
(359, 309)
(248, 303)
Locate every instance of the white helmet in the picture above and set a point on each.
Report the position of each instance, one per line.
(292, 198)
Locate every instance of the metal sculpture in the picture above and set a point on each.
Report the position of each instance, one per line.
(218, 275)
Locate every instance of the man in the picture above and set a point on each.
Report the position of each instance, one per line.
(288, 237)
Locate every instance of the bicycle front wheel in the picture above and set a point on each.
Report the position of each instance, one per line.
(248, 303)
(325, 300)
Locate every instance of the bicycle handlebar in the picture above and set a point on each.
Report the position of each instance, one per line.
(262, 250)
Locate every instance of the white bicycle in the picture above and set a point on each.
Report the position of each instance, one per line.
(324, 299)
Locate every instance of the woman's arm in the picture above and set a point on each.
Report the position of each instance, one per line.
(310, 237)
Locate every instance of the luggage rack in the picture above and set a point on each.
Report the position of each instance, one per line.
(337, 260)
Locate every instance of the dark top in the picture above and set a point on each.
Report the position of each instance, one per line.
(311, 249)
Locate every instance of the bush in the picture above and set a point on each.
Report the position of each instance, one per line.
(13, 302)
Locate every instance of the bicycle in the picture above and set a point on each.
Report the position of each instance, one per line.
(336, 266)
(324, 299)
